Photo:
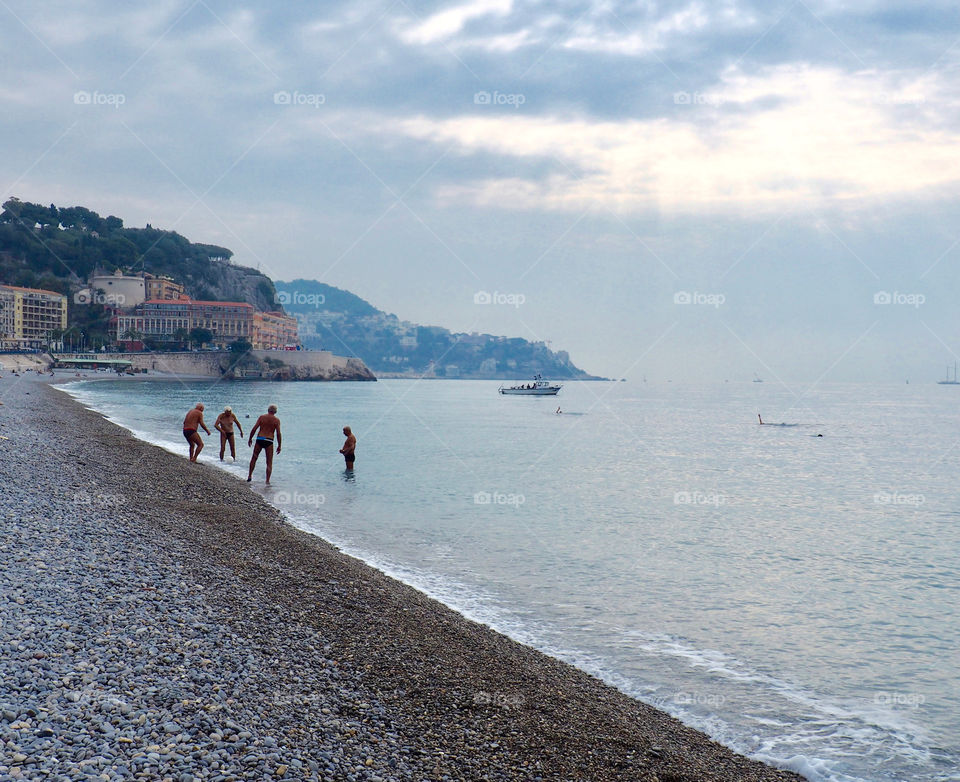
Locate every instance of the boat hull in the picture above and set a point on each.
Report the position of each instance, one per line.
(552, 391)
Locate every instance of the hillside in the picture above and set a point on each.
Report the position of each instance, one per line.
(59, 248)
(340, 321)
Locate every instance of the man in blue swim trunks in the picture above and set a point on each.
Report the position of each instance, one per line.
(265, 429)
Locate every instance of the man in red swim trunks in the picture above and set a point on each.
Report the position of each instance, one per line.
(191, 423)
(266, 427)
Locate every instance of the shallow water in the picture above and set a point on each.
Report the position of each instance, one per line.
(792, 595)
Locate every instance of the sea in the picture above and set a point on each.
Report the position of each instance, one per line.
(791, 589)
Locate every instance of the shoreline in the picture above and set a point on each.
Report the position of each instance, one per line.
(402, 670)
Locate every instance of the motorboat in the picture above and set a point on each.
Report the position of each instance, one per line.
(537, 387)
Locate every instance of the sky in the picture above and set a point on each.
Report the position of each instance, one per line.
(681, 190)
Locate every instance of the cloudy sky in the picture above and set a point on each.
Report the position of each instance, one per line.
(677, 189)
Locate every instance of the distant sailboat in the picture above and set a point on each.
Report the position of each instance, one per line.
(948, 381)
(757, 378)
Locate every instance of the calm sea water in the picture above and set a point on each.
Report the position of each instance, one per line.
(794, 596)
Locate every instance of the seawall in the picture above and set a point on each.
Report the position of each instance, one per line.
(258, 364)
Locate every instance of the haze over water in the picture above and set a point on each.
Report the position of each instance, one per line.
(792, 595)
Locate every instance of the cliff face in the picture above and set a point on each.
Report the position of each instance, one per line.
(223, 281)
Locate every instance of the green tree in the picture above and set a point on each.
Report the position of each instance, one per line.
(201, 336)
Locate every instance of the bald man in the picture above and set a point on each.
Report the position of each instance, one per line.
(349, 448)
(265, 430)
(193, 422)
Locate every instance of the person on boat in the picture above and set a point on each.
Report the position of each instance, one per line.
(265, 429)
(224, 425)
(349, 448)
(192, 422)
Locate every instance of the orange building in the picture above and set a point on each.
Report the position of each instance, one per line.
(274, 331)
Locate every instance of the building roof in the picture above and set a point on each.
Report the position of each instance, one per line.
(187, 302)
(30, 290)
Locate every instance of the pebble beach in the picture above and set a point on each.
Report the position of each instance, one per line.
(159, 620)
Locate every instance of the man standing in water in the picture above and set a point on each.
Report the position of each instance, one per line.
(191, 423)
(224, 425)
(266, 427)
(349, 447)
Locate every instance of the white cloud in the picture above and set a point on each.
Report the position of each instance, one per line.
(648, 38)
(605, 27)
(451, 21)
(788, 136)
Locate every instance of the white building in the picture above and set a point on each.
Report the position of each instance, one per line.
(117, 290)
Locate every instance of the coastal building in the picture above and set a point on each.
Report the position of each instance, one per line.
(161, 288)
(28, 317)
(117, 290)
(170, 320)
(274, 331)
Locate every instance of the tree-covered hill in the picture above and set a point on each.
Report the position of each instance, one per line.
(340, 321)
(59, 248)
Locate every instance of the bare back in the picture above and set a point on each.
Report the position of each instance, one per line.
(193, 419)
(267, 426)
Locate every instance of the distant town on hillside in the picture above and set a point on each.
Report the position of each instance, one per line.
(340, 321)
(88, 282)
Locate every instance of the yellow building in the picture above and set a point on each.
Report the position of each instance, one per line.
(162, 288)
(28, 316)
